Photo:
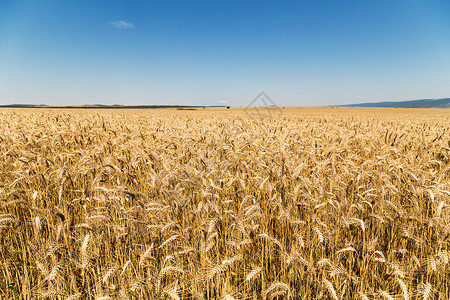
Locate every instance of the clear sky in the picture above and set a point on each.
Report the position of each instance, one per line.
(215, 52)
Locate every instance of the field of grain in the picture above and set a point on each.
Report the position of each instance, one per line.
(304, 203)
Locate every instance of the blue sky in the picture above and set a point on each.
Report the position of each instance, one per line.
(212, 52)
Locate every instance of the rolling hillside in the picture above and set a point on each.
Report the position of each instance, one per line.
(423, 103)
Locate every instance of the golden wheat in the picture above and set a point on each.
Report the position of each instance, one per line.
(329, 203)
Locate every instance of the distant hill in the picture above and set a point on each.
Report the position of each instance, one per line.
(423, 103)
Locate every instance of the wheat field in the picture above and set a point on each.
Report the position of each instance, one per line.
(288, 203)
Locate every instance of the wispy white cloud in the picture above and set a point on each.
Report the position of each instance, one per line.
(222, 101)
(120, 24)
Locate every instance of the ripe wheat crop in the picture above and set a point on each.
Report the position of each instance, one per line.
(214, 204)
